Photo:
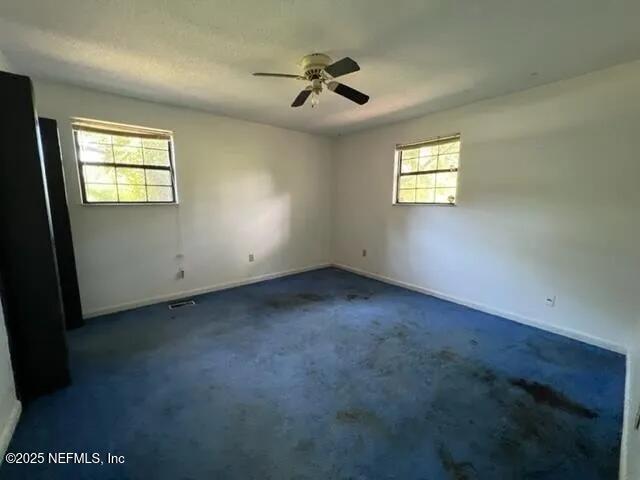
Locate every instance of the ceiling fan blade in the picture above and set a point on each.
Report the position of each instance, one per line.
(301, 98)
(279, 75)
(348, 92)
(342, 67)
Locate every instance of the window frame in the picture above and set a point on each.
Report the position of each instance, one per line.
(410, 146)
(82, 125)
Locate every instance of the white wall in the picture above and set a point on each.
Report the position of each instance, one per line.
(243, 188)
(4, 63)
(9, 405)
(548, 205)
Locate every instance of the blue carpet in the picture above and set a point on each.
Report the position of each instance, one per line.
(327, 375)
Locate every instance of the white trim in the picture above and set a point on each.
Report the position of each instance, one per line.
(567, 332)
(199, 291)
(9, 428)
(627, 424)
(631, 402)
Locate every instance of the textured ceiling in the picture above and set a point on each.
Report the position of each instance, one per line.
(417, 56)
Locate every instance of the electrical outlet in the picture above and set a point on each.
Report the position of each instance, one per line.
(251, 257)
(364, 252)
(180, 274)
(550, 301)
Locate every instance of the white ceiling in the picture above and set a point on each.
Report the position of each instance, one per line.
(417, 56)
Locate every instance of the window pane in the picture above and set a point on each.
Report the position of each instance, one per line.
(408, 181)
(93, 137)
(101, 193)
(409, 165)
(447, 179)
(94, 152)
(132, 193)
(115, 162)
(131, 155)
(445, 195)
(450, 147)
(160, 194)
(446, 162)
(156, 157)
(97, 174)
(428, 163)
(434, 166)
(428, 150)
(130, 176)
(127, 141)
(425, 195)
(406, 154)
(405, 196)
(426, 181)
(152, 143)
(158, 177)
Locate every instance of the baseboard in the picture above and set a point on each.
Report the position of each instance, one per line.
(567, 332)
(199, 291)
(9, 428)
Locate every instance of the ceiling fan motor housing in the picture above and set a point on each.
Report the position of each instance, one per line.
(313, 65)
(320, 71)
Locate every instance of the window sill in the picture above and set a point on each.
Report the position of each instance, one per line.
(130, 204)
(403, 204)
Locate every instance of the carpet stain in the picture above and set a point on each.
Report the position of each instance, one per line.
(546, 395)
(354, 296)
(445, 355)
(356, 416)
(484, 375)
(295, 300)
(304, 446)
(396, 332)
(521, 424)
(456, 470)
(363, 418)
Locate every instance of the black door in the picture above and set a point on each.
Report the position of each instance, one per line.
(61, 223)
(30, 286)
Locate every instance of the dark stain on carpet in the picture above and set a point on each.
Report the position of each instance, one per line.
(295, 300)
(445, 355)
(522, 423)
(306, 445)
(355, 296)
(546, 395)
(456, 470)
(363, 417)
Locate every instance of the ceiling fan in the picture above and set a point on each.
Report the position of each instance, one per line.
(319, 70)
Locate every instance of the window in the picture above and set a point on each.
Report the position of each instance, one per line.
(123, 164)
(427, 172)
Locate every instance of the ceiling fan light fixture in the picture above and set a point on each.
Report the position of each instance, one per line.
(315, 99)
